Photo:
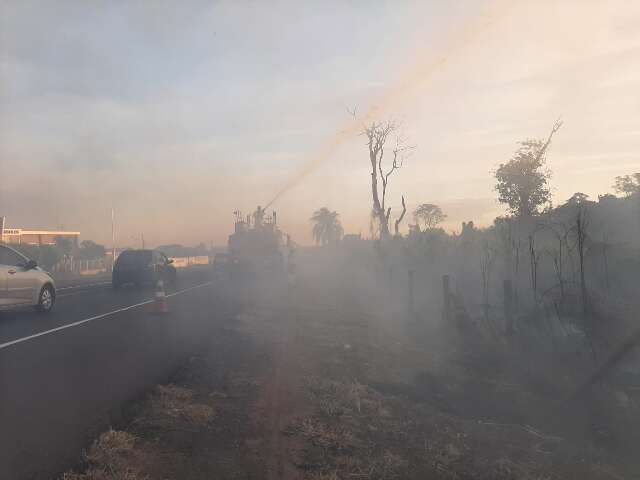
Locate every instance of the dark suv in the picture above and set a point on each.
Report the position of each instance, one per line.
(142, 267)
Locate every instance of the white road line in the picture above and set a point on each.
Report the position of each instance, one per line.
(69, 325)
(91, 319)
(79, 292)
(200, 285)
(70, 294)
(84, 285)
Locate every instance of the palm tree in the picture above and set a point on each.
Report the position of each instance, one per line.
(327, 228)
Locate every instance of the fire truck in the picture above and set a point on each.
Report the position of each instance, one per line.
(255, 250)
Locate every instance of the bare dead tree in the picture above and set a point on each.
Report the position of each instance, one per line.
(557, 267)
(581, 223)
(534, 258)
(374, 225)
(605, 261)
(516, 247)
(378, 135)
(510, 244)
(504, 235)
(580, 228)
(487, 258)
(570, 250)
(400, 218)
(561, 233)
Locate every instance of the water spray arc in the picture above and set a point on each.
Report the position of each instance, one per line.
(408, 87)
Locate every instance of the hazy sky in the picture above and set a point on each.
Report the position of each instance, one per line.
(178, 113)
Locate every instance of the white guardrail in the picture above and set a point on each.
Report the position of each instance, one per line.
(182, 262)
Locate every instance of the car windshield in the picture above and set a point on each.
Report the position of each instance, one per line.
(11, 257)
(135, 256)
(320, 240)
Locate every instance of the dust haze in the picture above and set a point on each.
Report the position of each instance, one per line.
(413, 230)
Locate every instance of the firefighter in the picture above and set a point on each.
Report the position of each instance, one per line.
(258, 217)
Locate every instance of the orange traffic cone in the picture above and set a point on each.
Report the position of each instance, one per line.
(160, 305)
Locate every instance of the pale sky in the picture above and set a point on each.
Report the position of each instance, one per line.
(177, 113)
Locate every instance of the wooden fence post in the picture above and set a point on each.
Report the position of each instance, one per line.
(411, 305)
(446, 290)
(508, 308)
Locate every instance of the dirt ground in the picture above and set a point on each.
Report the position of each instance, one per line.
(309, 386)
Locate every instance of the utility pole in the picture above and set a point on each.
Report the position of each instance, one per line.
(142, 238)
(113, 239)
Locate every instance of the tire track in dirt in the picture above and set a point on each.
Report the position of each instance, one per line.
(291, 325)
(281, 399)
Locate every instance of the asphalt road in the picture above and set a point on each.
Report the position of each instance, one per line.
(64, 376)
(80, 299)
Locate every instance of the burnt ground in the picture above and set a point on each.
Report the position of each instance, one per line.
(309, 386)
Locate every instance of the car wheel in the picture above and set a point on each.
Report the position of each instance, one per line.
(46, 299)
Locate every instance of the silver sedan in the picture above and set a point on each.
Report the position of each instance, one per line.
(23, 283)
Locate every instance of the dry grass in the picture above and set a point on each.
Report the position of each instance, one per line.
(324, 476)
(99, 474)
(117, 455)
(392, 465)
(171, 404)
(357, 431)
(111, 447)
(349, 415)
(335, 398)
(111, 457)
(338, 438)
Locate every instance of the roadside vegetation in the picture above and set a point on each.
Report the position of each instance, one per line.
(505, 352)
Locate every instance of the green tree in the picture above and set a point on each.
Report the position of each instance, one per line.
(64, 245)
(49, 255)
(90, 250)
(431, 215)
(578, 198)
(327, 228)
(628, 185)
(523, 182)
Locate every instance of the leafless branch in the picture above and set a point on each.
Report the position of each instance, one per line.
(400, 218)
(377, 137)
(554, 129)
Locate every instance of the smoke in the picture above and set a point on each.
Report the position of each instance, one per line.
(411, 83)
